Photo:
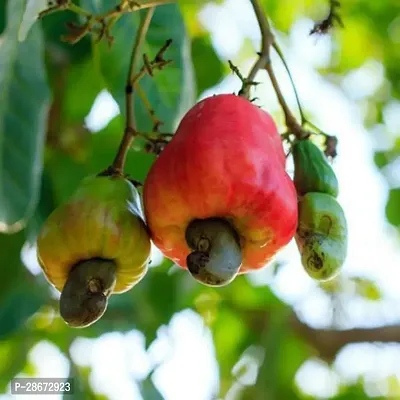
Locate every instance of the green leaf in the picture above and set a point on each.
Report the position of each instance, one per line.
(147, 306)
(149, 391)
(393, 207)
(171, 91)
(208, 67)
(2, 16)
(284, 354)
(81, 386)
(45, 207)
(13, 355)
(20, 304)
(24, 99)
(367, 289)
(354, 393)
(243, 295)
(81, 87)
(381, 159)
(231, 337)
(11, 267)
(33, 9)
(59, 51)
(20, 297)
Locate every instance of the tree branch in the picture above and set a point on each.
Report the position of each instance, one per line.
(326, 342)
(99, 25)
(263, 56)
(130, 128)
(264, 62)
(329, 342)
(268, 40)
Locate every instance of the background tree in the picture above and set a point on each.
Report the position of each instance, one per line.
(52, 135)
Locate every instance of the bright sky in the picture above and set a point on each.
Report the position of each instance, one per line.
(185, 345)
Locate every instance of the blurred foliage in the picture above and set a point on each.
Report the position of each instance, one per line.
(46, 149)
(25, 100)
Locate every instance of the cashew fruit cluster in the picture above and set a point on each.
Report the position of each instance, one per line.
(94, 245)
(321, 235)
(218, 200)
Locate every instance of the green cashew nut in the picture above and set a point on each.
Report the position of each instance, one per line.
(321, 235)
(312, 171)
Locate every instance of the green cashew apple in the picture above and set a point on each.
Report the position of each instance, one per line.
(94, 245)
(312, 171)
(218, 200)
(321, 235)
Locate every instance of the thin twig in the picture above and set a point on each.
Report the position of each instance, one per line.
(328, 23)
(130, 128)
(131, 6)
(123, 8)
(100, 24)
(304, 120)
(290, 119)
(148, 67)
(246, 82)
(264, 55)
(142, 94)
(281, 56)
(77, 10)
(264, 62)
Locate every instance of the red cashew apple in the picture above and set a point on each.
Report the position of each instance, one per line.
(218, 200)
